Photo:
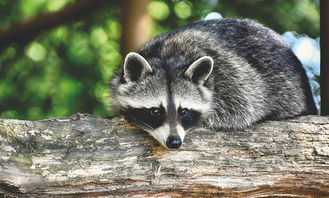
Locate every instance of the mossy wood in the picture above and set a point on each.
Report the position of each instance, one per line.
(88, 156)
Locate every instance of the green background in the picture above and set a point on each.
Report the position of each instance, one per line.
(67, 69)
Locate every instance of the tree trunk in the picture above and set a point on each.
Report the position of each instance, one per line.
(136, 25)
(89, 156)
(324, 70)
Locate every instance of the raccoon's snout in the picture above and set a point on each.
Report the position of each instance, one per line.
(173, 142)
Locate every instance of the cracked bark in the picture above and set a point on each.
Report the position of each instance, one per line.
(90, 156)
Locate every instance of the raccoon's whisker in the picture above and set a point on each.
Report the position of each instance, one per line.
(142, 124)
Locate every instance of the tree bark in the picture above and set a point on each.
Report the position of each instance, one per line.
(89, 156)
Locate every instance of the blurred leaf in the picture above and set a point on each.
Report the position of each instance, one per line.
(31, 7)
(10, 114)
(35, 113)
(108, 65)
(98, 36)
(114, 29)
(102, 94)
(59, 34)
(5, 89)
(183, 9)
(36, 51)
(67, 91)
(79, 50)
(53, 6)
(159, 10)
(9, 53)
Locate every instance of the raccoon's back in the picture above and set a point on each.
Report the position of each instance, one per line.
(289, 92)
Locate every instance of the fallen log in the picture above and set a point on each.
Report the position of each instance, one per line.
(89, 156)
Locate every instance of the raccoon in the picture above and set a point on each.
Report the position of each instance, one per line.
(227, 73)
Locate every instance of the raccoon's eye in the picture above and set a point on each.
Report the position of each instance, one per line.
(155, 111)
(183, 112)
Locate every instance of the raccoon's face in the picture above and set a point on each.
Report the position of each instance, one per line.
(164, 103)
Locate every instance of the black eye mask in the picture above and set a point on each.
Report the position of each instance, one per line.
(151, 118)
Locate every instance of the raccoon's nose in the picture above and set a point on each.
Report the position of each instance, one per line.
(173, 142)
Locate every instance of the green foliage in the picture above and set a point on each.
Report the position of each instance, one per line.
(183, 9)
(63, 71)
(66, 70)
(301, 16)
(158, 10)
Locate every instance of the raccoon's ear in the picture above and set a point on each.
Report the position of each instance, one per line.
(200, 70)
(135, 67)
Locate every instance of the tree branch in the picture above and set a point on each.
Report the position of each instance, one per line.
(89, 156)
(26, 30)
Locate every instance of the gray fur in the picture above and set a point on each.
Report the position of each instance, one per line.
(255, 75)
